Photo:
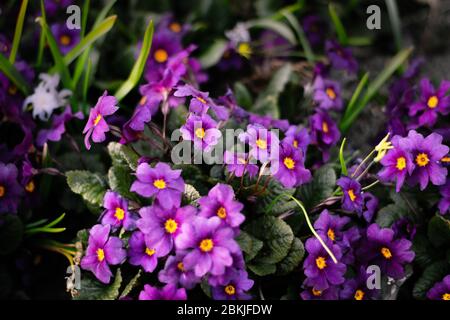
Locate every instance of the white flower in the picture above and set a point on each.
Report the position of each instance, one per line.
(238, 34)
(46, 97)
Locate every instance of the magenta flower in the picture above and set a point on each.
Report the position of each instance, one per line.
(262, 141)
(10, 189)
(444, 203)
(174, 272)
(234, 287)
(169, 292)
(220, 202)
(324, 133)
(441, 290)
(165, 184)
(202, 130)
(116, 213)
(162, 226)
(289, 168)
(397, 163)
(97, 125)
(341, 58)
(331, 227)
(101, 252)
(315, 29)
(298, 138)
(356, 288)
(239, 164)
(432, 102)
(352, 199)
(141, 254)
(426, 154)
(327, 94)
(311, 293)
(209, 246)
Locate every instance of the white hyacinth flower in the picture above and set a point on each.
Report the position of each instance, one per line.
(238, 34)
(46, 97)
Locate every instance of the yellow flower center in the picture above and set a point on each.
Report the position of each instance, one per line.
(289, 163)
(222, 213)
(97, 119)
(262, 144)
(12, 90)
(100, 255)
(244, 50)
(64, 40)
(230, 290)
(386, 253)
(295, 144)
(149, 251)
(359, 295)
(325, 127)
(30, 186)
(2, 191)
(446, 296)
(321, 263)
(200, 133)
(445, 159)
(432, 102)
(330, 93)
(160, 55)
(351, 194)
(159, 183)
(401, 163)
(331, 234)
(316, 293)
(180, 266)
(171, 226)
(143, 100)
(201, 100)
(422, 159)
(175, 27)
(119, 214)
(206, 245)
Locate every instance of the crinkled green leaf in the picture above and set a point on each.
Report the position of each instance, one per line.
(92, 289)
(425, 252)
(131, 285)
(404, 206)
(262, 269)
(433, 273)
(120, 179)
(439, 231)
(249, 245)
(266, 200)
(293, 258)
(91, 186)
(122, 154)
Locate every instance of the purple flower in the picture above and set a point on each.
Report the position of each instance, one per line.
(220, 202)
(324, 133)
(331, 226)
(370, 205)
(162, 226)
(311, 293)
(432, 102)
(320, 269)
(169, 292)
(202, 130)
(315, 29)
(239, 164)
(388, 253)
(101, 252)
(341, 58)
(289, 168)
(161, 181)
(209, 244)
(397, 163)
(426, 154)
(65, 37)
(141, 254)
(231, 59)
(298, 138)
(58, 128)
(96, 125)
(234, 288)
(174, 272)
(10, 189)
(327, 94)
(262, 141)
(356, 288)
(444, 203)
(441, 290)
(404, 228)
(352, 199)
(116, 213)
(52, 6)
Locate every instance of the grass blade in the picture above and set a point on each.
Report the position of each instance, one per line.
(341, 158)
(11, 72)
(18, 31)
(338, 26)
(361, 85)
(41, 39)
(139, 65)
(276, 26)
(396, 24)
(301, 35)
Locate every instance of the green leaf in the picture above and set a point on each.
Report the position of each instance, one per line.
(120, 180)
(249, 245)
(11, 72)
(293, 259)
(433, 273)
(300, 35)
(91, 186)
(61, 67)
(320, 188)
(425, 252)
(213, 54)
(276, 26)
(338, 26)
(361, 85)
(276, 236)
(92, 289)
(395, 63)
(18, 31)
(404, 206)
(341, 158)
(243, 97)
(139, 66)
(439, 231)
(11, 232)
(262, 269)
(396, 24)
(131, 285)
(123, 155)
(268, 201)
(267, 101)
